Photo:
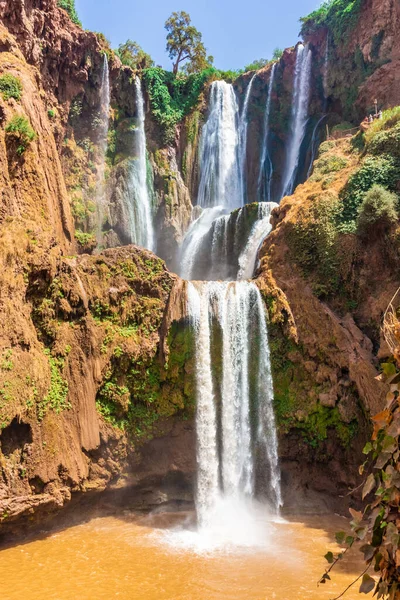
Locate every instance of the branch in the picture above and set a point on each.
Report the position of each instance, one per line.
(351, 584)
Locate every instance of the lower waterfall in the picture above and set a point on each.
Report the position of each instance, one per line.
(237, 448)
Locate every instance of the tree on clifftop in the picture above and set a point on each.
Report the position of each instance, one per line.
(134, 56)
(184, 43)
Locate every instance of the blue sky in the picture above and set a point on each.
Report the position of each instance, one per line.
(234, 32)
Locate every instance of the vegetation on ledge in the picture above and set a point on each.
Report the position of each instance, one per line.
(339, 16)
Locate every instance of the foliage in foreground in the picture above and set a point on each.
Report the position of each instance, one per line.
(20, 128)
(69, 6)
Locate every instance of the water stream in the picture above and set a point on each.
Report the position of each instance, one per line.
(102, 145)
(300, 102)
(261, 228)
(138, 203)
(266, 165)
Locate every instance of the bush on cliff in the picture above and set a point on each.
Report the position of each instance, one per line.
(10, 87)
(382, 170)
(339, 16)
(69, 7)
(378, 212)
(173, 97)
(20, 129)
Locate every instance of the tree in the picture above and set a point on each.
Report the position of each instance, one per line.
(256, 65)
(69, 7)
(184, 43)
(132, 55)
(378, 212)
(277, 53)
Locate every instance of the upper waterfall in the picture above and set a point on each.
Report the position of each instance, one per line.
(300, 102)
(220, 172)
(138, 206)
(102, 144)
(266, 166)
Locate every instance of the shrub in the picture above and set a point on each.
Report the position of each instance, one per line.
(132, 55)
(69, 7)
(390, 118)
(256, 65)
(381, 170)
(20, 128)
(51, 113)
(172, 97)
(312, 239)
(339, 16)
(328, 164)
(377, 212)
(386, 142)
(10, 87)
(326, 146)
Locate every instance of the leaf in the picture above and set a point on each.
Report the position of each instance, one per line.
(389, 369)
(329, 557)
(382, 460)
(368, 486)
(392, 535)
(356, 514)
(368, 551)
(367, 448)
(381, 420)
(340, 537)
(367, 584)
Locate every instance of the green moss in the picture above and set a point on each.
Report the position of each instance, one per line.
(10, 87)
(20, 129)
(57, 397)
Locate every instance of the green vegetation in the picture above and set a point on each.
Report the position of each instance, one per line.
(256, 65)
(56, 398)
(85, 239)
(390, 118)
(338, 16)
(10, 87)
(20, 129)
(378, 212)
(382, 170)
(51, 113)
(132, 55)
(312, 241)
(173, 97)
(69, 6)
(184, 44)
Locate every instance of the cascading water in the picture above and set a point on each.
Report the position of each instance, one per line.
(235, 434)
(300, 102)
(138, 201)
(102, 144)
(315, 142)
(261, 228)
(266, 166)
(220, 177)
(243, 138)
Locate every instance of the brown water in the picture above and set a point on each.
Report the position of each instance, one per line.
(130, 559)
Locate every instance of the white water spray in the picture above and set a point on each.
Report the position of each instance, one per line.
(300, 102)
(220, 178)
(266, 166)
(246, 418)
(138, 202)
(261, 228)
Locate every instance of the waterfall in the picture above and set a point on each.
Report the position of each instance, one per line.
(138, 202)
(220, 172)
(266, 167)
(232, 437)
(261, 228)
(243, 139)
(102, 143)
(300, 102)
(315, 140)
(326, 68)
(191, 246)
